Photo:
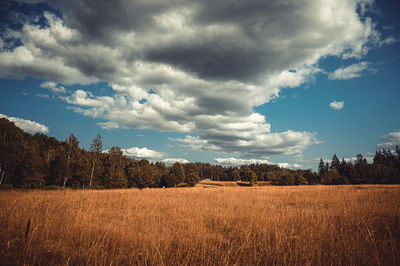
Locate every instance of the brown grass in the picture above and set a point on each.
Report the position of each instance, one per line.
(335, 225)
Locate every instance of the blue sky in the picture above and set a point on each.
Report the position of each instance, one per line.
(226, 82)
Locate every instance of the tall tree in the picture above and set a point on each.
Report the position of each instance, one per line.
(71, 154)
(192, 179)
(178, 172)
(335, 164)
(114, 174)
(235, 175)
(321, 168)
(95, 148)
(11, 151)
(249, 176)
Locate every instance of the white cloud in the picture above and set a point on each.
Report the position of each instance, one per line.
(261, 146)
(390, 141)
(29, 126)
(290, 166)
(144, 153)
(197, 67)
(170, 161)
(53, 87)
(349, 72)
(354, 159)
(335, 105)
(389, 40)
(43, 95)
(238, 162)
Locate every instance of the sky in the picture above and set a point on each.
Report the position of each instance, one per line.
(227, 82)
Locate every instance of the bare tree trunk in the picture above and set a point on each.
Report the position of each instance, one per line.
(91, 174)
(48, 158)
(2, 177)
(66, 174)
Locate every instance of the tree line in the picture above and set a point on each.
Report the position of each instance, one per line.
(384, 169)
(39, 161)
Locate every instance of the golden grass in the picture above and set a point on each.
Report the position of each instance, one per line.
(312, 225)
(231, 183)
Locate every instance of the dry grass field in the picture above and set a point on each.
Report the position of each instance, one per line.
(310, 225)
(231, 183)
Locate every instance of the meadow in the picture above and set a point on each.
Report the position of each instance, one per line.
(303, 225)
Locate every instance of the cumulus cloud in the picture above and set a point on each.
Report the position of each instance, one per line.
(262, 146)
(144, 153)
(170, 161)
(53, 87)
(199, 67)
(335, 105)
(290, 165)
(390, 141)
(349, 72)
(29, 126)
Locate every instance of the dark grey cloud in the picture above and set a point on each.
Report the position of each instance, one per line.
(245, 12)
(101, 19)
(213, 40)
(218, 59)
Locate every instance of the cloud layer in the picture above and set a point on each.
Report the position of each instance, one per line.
(29, 126)
(191, 66)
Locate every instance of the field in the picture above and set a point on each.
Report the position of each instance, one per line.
(310, 225)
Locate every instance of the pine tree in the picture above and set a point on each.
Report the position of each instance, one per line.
(321, 168)
(335, 164)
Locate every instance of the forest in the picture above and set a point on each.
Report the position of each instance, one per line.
(39, 161)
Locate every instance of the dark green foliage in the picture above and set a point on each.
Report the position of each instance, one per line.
(192, 179)
(249, 175)
(284, 178)
(311, 177)
(288, 177)
(333, 178)
(178, 173)
(114, 176)
(235, 175)
(168, 179)
(321, 168)
(335, 164)
(385, 169)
